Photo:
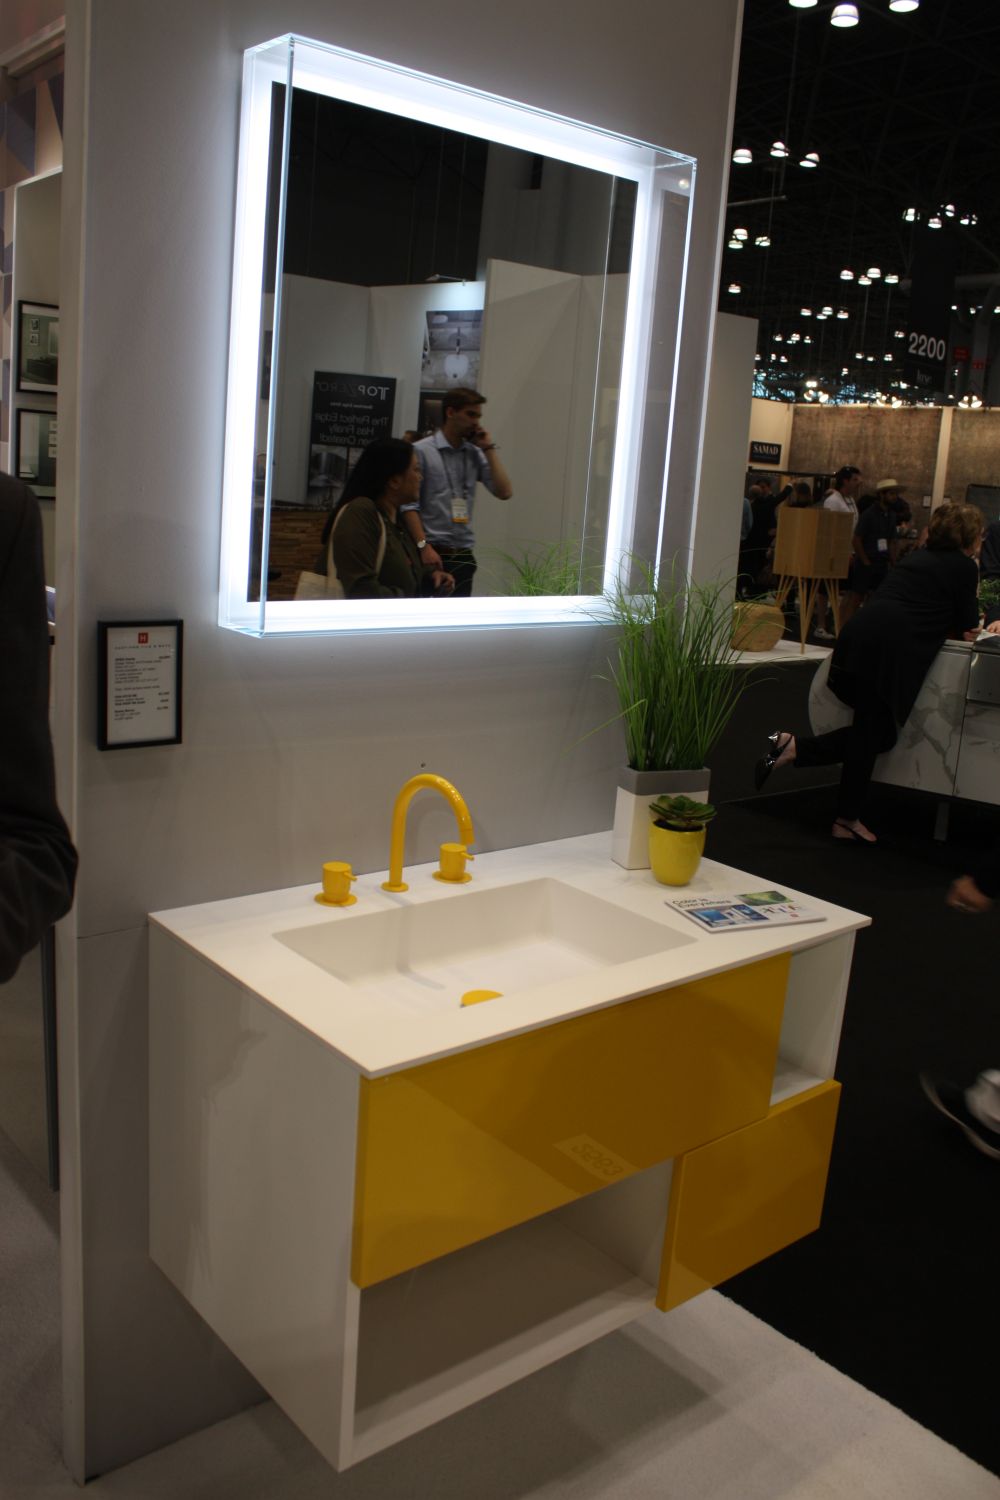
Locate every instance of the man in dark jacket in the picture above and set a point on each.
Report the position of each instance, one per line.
(37, 858)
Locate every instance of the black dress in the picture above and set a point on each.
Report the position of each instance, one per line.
(37, 860)
(886, 649)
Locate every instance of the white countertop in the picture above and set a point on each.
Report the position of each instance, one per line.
(241, 938)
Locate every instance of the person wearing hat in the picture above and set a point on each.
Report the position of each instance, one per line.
(875, 541)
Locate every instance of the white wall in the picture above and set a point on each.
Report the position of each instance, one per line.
(293, 748)
(724, 462)
(770, 422)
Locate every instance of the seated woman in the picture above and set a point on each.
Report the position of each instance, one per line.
(375, 557)
(882, 656)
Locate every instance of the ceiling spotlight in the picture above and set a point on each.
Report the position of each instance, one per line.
(802, 4)
(827, 310)
(858, 354)
(779, 149)
(812, 384)
(887, 358)
(844, 15)
(762, 241)
(778, 338)
(891, 279)
(934, 222)
(811, 159)
(870, 358)
(949, 210)
(899, 333)
(821, 317)
(774, 356)
(740, 234)
(909, 215)
(845, 370)
(783, 360)
(824, 395)
(874, 272)
(965, 219)
(735, 288)
(734, 243)
(842, 312)
(807, 339)
(805, 312)
(904, 5)
(742, 156)
(864, 280)
(846, 275)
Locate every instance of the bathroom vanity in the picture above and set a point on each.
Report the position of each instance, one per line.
(389, 1204)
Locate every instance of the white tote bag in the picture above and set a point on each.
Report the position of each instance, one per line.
(327, 585)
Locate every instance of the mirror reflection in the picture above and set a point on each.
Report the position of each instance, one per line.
(440, 290)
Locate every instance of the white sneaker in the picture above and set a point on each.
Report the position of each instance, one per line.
(824, 635)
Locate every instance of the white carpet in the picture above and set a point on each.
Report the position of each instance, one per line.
(706, 1404)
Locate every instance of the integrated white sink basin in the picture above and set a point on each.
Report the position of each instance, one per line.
(507, 938)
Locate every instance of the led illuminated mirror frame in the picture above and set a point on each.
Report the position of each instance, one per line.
(544, 265)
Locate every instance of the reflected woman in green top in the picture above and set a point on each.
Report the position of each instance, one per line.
(374, 556)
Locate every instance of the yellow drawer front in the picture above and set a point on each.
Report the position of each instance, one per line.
(738, 1200)
(456, 1150)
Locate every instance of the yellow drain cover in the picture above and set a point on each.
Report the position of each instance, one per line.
(473, 997)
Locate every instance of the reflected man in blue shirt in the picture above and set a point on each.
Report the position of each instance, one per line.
(453, 461)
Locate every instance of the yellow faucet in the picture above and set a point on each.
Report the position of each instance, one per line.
(415, 783)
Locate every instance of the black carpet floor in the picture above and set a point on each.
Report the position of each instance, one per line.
(897, 1288)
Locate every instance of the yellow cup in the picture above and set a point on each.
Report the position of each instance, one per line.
(338, 878)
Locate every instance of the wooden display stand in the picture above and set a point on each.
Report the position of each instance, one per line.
(812, 550)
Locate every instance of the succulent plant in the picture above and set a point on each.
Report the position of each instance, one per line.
(681, 813)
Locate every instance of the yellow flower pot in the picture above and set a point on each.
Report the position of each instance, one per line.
(674, 856)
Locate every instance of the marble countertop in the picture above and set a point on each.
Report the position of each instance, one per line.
(243, 938)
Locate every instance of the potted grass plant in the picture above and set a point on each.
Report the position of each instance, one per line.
(674, 673)
(677, 837)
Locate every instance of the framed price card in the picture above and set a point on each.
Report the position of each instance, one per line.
(139, 683)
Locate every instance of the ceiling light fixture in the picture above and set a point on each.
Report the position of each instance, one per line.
(802, 4)
(844, 15)
(846, 275)
(734, 243)
(874, 272)
(864, 280)
(740, 234)
(762, 241)
(934, 222)
(779, 149)
(743, 156)
(735, 288)
(805, 312)
(842, 312)
(891, 279)
(902, 6)
(811, 159)
(909, 215)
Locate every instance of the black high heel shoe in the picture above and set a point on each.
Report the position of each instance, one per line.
(762, 770)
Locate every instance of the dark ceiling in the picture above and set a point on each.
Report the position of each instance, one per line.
(904, 112)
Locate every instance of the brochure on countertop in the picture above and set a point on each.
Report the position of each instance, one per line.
(736, 911)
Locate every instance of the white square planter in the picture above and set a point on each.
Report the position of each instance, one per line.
(636, 790)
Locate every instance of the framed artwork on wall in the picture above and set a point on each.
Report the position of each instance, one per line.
(37, 443)
(37, 347)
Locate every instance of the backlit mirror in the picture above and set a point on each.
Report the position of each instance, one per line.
(399, 241)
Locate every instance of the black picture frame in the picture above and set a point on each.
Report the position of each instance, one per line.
(38, 347)
(35, 450)
(140, 679)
